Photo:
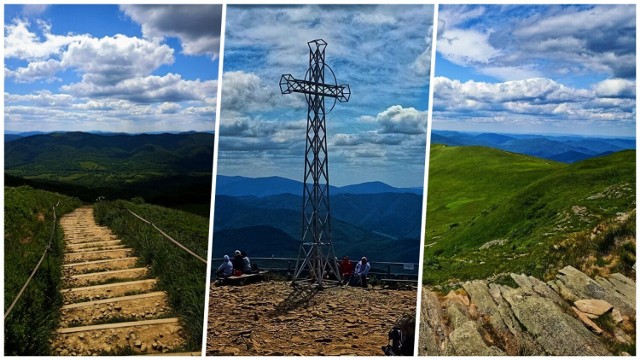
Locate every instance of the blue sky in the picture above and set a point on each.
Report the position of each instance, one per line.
(536, 69)
(382, 52)
(128, 68)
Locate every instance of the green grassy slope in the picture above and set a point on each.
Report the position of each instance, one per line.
(28, 219)
(524, 221)
(181, 275)
(464, 180)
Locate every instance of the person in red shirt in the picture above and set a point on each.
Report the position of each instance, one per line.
(346, 268)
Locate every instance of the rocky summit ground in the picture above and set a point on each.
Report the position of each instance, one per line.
(572, 314)
(111, 306)
(271, 318)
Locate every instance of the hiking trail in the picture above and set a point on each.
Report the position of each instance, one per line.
(111, 305)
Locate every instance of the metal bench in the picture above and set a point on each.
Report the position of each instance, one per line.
(242, 279)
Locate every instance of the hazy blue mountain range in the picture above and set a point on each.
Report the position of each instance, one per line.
(563, 148)
(11, 137)
(263, 216)
(266, 186)
(15, 135)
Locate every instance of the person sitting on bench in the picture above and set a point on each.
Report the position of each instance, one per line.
(226, 269)
(246, 263)
(346, 268)
(237, 263)
(362, 270)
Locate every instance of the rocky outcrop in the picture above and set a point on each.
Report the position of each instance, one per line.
(535, 318)
(586, 288)
(467, 340)
(433, 331)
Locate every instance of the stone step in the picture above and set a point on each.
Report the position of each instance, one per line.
(106, 291)
(114, 300)
(127, 308)
(88, 238)
(129, 324)
(75, 257)
(140, 337)
(87, 228)
(92, 244)
(99, 278)
(99, 265)
(97, 248)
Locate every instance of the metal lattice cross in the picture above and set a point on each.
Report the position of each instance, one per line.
(316, 253)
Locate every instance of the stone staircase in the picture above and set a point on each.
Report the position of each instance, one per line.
(111, 305)
(560, 317)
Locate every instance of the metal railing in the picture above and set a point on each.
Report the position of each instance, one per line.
(379, 269)
(47, 250)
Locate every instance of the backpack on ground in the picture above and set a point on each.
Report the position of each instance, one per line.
(401, 337)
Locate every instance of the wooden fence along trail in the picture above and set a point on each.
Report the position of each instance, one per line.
(110, 304)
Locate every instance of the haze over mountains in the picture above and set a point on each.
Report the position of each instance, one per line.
(163, 168)
(273, 185)
(263, 217)
(562, 148)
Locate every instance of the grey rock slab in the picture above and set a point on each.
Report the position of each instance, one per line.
(564, 292)
(624, 286)
(555, 331)
(532, 284)
(433, 332)
(456, 313)
(624, 279)
(614, 292)
(486, 305)
(503, 324)
(520, 342)
(467, 341)
(586, 288)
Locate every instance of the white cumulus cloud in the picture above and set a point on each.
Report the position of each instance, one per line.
(399, 120)
(34, 71)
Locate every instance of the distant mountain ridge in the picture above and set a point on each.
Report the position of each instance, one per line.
(77, 151)
(563, 148)
(166, 168)
(99, 132)
(275, 185)
(265, 230)
(263, 216)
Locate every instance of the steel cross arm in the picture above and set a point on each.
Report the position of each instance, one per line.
(289, 84)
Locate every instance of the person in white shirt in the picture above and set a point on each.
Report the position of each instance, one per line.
(226, 269)
(362, 270)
